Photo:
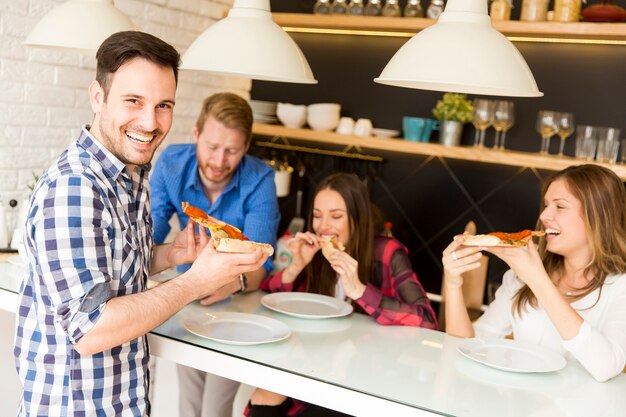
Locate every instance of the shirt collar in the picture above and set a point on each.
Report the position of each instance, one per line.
(111, 165)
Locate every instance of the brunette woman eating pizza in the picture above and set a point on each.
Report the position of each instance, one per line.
(372, 272)
(568, 292)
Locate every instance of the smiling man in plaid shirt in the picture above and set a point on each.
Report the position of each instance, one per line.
(84, 310)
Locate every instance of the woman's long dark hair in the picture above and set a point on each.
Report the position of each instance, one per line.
(320, 277)
(603, 199)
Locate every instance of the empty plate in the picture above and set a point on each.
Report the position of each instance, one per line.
(511, 355)
(385, 133)
(236, 328)
(305, 305)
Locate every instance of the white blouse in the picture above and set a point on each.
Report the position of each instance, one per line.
(600, 345)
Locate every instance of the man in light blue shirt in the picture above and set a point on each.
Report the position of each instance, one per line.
(217, 176)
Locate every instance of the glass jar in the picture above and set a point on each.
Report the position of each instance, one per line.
(534, 10)
(500, 10)
(567, 10)
(392, 9)
(373, 8)
(435, 8)
(355, 7)
(413, 8)
(321, 7)
(339, 7)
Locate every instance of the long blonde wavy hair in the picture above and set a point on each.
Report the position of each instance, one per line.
(603, 199)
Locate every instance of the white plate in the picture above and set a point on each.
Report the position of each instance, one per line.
(385, 133)
(16, 260)
(236, 328)
(305, 305)
(510, 355)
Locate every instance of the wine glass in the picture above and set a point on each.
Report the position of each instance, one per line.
(482, 119)
(503, 119)
(565, 123)
(546, 126)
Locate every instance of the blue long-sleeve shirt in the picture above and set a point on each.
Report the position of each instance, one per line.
(248, 202)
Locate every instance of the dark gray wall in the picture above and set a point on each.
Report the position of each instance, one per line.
(587, 80)
(430, 199)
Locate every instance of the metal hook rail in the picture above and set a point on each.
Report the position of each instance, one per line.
(345, 153)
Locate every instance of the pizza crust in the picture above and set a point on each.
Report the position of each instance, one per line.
(229, 245)
(493, 241)
(330, 245)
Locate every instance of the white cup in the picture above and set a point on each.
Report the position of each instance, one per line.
(282, 180)
(345, 126)
(363, 127)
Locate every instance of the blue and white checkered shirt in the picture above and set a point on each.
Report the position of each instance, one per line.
(88, 238)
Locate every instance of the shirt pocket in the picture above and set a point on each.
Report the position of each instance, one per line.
(125, 250)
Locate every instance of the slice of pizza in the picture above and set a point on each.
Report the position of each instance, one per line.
(330, 245)
(503, 239)
(225, 238)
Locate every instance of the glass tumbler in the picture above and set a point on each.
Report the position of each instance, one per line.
(608, 144)
(586, 142)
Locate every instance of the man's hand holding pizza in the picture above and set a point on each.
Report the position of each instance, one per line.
(213, 271)
(187, 245)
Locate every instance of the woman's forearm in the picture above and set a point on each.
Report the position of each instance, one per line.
(458, 322)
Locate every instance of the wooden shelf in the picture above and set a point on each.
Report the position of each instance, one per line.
(511, 158)
(511, 28)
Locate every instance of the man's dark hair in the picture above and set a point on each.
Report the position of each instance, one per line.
(123, 46)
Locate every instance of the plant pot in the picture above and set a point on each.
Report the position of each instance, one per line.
(450, 133)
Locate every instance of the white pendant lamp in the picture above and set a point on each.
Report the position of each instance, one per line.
(249, 44)
(461, 53)
(79, 25)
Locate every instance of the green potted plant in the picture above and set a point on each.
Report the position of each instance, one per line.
(452, 111)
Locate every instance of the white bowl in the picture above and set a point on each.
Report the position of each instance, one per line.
(291, 115)
(322, 121)
(324, 108)
(323, 116)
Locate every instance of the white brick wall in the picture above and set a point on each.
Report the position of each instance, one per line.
(43, 94)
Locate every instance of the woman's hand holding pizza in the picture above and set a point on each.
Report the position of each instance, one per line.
(524, 261)
(347, 269)
(303, 246)
(457, 259)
